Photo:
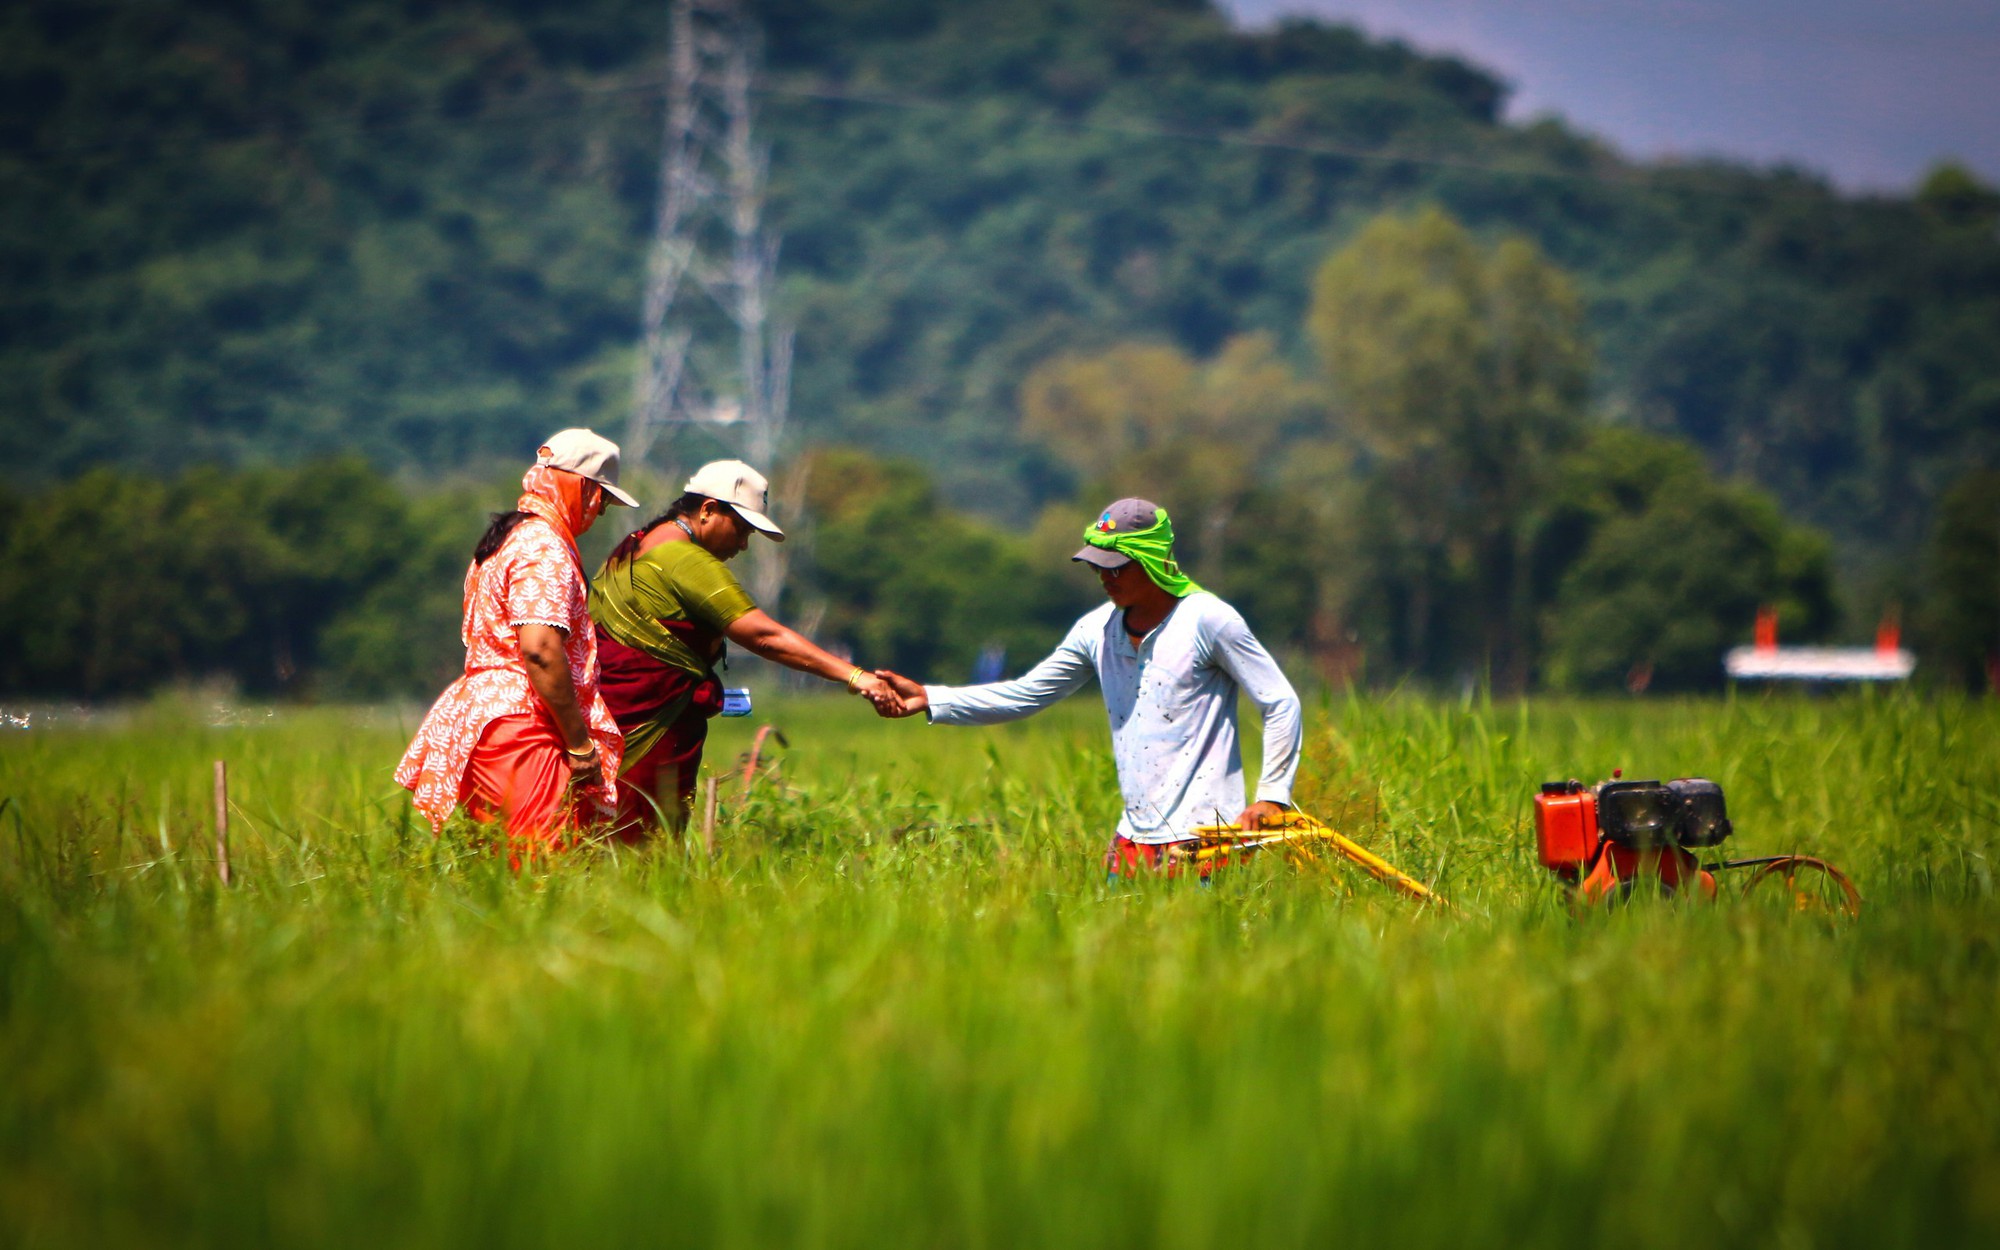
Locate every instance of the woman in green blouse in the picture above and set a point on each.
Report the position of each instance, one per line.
(664, 604)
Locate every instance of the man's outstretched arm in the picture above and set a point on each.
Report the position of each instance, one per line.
(1061, 673)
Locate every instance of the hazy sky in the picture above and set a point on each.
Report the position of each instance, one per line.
(1868, 92)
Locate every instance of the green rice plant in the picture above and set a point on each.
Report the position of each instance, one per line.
(902, 1005)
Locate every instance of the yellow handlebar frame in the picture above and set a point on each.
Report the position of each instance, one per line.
(1302, 830)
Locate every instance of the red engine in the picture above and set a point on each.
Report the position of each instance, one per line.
(1566, 828)
(1652, 825)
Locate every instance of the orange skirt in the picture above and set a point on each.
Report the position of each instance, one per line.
(519, 775)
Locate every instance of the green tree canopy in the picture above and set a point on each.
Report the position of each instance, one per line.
(114, 583)
(1145, 419)
(329, 580)
(916, 587)
(1671, 569)
(264, 230)
(1963, 620)
(1463, 371)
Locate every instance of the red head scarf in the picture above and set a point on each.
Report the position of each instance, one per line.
(559, 497)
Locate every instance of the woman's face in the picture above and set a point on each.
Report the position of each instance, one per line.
(720, 530)
(593, 503)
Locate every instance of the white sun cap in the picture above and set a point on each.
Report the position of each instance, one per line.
(586, 454)
(739, 486)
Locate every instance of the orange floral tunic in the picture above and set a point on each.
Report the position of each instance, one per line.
(535, 578)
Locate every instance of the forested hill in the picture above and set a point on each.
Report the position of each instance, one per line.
(260, 229)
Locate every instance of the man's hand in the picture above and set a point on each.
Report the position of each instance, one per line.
(906, 697)
(872, 688)
(1262, 815)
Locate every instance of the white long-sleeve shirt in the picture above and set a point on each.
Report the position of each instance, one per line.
(1172, 701)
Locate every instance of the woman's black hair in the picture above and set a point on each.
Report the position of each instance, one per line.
(687, 505)
(496, 533)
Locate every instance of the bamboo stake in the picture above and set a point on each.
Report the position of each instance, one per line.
(222, 821)
(708, 818)
(755, 758)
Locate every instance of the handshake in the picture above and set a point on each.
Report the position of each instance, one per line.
(892, 694)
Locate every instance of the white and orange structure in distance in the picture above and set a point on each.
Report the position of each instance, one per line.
(1765, 660)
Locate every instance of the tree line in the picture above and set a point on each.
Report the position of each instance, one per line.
(260, 231)
(1439, 498)
(330, 580)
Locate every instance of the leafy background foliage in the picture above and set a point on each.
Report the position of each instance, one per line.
(255, 234)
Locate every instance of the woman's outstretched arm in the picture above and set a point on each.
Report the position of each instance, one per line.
(756, 632)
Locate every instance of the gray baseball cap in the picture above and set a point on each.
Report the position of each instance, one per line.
(589, 455)
(742, 488)
(1120, 518)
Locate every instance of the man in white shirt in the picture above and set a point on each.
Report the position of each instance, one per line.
(1170, 659)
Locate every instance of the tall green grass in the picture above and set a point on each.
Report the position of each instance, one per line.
(902, 1006)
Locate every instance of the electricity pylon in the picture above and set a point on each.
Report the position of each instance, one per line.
(712, 255)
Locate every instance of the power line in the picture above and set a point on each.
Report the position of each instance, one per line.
(1146, 129)
(572, 98)
(1632, 177)
(548, 103)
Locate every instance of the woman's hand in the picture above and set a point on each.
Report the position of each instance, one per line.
(906, 697)
(757, 633)
(587, 768)
(872, 688)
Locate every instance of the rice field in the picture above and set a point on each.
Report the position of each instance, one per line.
(901, 1005)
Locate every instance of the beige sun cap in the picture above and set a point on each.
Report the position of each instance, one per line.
(586, 454)
(739, 486)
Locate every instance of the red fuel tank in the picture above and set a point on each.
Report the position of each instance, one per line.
(1565, 827)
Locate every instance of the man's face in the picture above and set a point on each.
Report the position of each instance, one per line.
(1124, 584)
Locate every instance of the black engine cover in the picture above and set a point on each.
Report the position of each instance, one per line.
(1703, 819)
(1638, 815)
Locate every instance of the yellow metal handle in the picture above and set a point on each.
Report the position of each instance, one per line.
(1300, 827)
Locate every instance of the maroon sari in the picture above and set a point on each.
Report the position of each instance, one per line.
(648, 697)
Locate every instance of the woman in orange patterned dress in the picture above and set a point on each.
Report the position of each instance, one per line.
(524, 737)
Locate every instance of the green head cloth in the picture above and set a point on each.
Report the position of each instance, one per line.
(1152, 547)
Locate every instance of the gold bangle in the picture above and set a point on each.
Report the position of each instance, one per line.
(855, 677)
(582, 753)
